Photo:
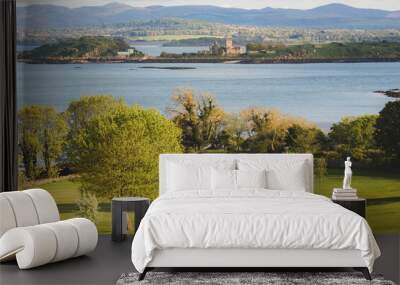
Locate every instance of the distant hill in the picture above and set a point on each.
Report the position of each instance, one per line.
(79, 48)
(395, 14)
(328, 16)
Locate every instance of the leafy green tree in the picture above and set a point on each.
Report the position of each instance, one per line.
(353, 136)
(320, 170)
(199, 118)
(211, 120)
(233, 134)
(301, 139)
(53, 139)
(119, 151)
(266, 130)
(86, 46)
(184, 114)
(262, 137)
(388, 129)
(29, 124)
(255, 47)
(42, 134)
(78, 115)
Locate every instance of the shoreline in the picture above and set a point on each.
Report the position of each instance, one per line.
(391, 93)
(232, 60)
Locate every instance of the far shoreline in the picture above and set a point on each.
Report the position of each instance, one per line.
(160, 60)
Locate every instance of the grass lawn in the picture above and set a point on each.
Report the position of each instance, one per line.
(103, 222)
(370, 185)
(63, 191)
(384, 218)
(66, 192)
(381, 189)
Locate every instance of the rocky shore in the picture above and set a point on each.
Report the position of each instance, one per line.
(392, 93)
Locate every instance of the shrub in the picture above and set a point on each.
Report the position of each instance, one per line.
(119, 151)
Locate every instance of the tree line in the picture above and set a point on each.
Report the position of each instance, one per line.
(207, 127)
(115, 147)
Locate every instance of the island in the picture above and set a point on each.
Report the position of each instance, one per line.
(331, 52)
(258, 53)
(392, 93)
(101, 49)
(82, 50)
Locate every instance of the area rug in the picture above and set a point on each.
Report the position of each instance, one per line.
(244, 278)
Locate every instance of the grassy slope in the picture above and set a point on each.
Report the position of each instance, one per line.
(382, 216)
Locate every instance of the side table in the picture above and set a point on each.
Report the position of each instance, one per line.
(357, 205)
(119, 208)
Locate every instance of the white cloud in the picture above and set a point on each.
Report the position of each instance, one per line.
(247, 4)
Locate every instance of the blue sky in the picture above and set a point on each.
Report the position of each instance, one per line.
(247, 4)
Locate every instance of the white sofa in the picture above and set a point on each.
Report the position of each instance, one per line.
(31, 231)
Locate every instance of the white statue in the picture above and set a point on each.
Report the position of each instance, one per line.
(347, 174)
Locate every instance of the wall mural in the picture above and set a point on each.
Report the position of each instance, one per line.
(104, 88)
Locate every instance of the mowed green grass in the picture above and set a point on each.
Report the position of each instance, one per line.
(103, 222)
(383, 216)
(67, 192)
(369, 184)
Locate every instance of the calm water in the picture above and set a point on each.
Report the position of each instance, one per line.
(157, 49)
(322, 93)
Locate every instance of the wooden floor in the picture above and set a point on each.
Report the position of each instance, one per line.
(110, 260)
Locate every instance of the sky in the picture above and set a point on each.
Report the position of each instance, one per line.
(247, 4)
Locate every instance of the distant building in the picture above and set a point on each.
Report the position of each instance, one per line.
(216, 49)
(228, 50)
(127, 53)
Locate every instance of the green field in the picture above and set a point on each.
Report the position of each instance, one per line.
(381, 189)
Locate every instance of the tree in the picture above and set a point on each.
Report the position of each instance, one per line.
(304, 139)
(267, 129)
(233, 134)
(262, 136)
(54, 138)
(184, 114)
(29, 122)
(354, 136)
(320, 169)
(42, 134)
(78, 115)
(119, 151)
(199, 118)
(388, 129)
(211, 120)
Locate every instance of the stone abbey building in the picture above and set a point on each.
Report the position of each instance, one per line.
(228, 50)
